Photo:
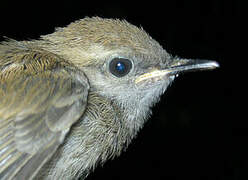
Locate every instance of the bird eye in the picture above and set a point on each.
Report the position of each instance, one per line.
(120, 66)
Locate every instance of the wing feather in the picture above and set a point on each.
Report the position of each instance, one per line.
(38, 105)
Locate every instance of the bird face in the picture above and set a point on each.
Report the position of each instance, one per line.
(122, 63)
(130, 80)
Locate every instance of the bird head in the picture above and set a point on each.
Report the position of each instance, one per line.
(122, 63)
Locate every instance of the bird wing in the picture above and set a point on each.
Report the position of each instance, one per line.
(41, 96)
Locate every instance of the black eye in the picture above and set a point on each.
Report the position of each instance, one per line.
(120, 67)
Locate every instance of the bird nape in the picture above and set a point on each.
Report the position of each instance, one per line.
(77, 97)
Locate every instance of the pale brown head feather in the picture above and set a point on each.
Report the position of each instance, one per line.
(91, 38)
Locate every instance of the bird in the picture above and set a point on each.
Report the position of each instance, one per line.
(77, 97)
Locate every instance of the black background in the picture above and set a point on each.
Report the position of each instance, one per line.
(198, 130)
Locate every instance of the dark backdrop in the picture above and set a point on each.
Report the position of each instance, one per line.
(196, 130)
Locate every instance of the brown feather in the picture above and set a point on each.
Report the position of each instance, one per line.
(41, 96)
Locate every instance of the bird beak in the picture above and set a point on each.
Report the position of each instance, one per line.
(177, 66)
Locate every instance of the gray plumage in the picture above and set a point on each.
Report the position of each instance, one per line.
(63, 110)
